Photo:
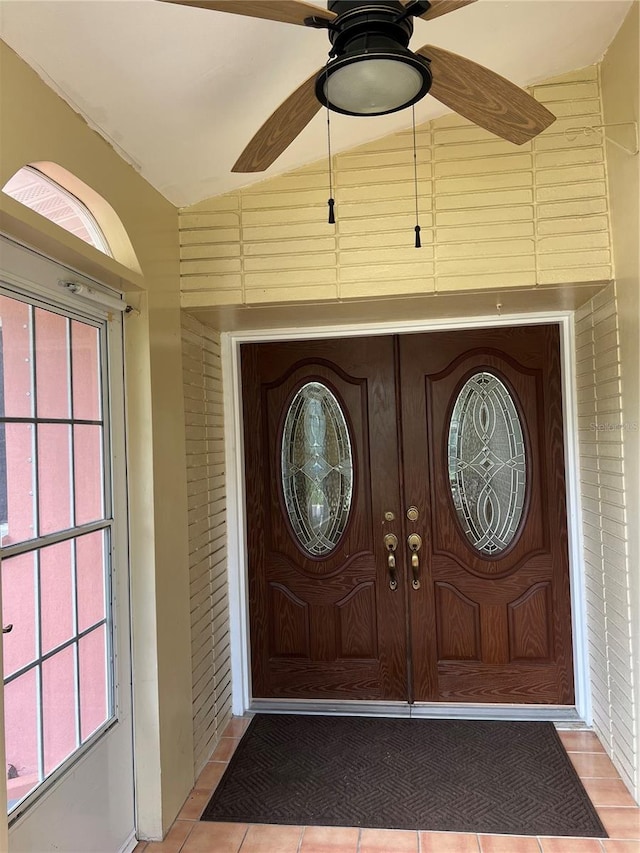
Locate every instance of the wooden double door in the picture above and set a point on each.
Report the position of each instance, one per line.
(406, 521)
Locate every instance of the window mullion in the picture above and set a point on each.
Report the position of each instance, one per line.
(76, 687)
(34, 411)
(72, 432)
(75, 628)
(54, 651)
(108, 509)
(54, 538)
(40, 703)
(63, 421)
(105, 413)
(112, 704)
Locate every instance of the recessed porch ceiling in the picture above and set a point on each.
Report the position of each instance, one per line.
(179, 91)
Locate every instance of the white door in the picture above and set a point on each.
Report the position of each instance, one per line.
(63, 548)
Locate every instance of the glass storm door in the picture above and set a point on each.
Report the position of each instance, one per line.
(67, 710)
(406, 518)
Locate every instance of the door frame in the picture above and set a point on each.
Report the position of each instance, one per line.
(242, 699)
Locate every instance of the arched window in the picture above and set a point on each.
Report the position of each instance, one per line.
(45, 196)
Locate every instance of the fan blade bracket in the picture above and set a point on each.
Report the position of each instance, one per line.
(315, 22)
(283, 11)
(437, 8)
(414, 9)
(418, 7)
(318, 23)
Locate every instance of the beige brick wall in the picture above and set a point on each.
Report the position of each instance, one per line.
(602, 431)
(210, 649)
(492, 215)
(621, 107)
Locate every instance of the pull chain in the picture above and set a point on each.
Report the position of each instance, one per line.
(331, 202)
(415, 176)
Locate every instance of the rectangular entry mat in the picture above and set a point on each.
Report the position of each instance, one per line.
(440, 775)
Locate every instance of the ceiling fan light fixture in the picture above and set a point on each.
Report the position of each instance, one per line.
(373, 82)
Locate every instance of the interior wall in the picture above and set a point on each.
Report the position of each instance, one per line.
(206, 500)
(493, 215)
(38, 126)
(621, 100)
(605, 530)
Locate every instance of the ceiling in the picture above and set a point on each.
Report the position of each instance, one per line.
(179, 91)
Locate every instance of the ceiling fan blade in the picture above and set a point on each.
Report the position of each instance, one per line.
(484, 97)
(443, 7)
(280, 129)
(286, 11)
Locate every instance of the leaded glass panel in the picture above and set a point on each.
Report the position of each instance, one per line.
(317, 468)
(487, 463)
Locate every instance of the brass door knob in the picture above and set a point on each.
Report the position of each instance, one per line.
(414, 541)
(391, 543)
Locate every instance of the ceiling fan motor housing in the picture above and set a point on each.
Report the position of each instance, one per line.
(365, 22)
(372, 71)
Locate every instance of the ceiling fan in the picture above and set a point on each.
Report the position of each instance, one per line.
(371, 71)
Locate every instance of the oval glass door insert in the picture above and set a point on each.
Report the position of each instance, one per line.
(317, 469)
(487, 464)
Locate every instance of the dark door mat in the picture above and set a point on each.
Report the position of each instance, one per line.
(440, 775)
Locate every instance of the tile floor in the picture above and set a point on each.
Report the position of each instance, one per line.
(618, 812)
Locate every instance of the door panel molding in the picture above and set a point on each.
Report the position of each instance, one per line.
(519, 638)
(342, 567)
(466, 614)
(236, 515)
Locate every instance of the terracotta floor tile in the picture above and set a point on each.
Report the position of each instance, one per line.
(236, 727)
(590, 765)
(448, 842)
(608, 792)
(509, 844)
(211, 775)
(612, 845)
(139, 848)
(264, 838)
(209, 837)
(570, 845)
(174, 839)
(225, 748)
(581, 742)
(621, 823)
(193, 808)
(329, 839)
(387, 840)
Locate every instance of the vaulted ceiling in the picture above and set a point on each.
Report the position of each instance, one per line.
(179, 91)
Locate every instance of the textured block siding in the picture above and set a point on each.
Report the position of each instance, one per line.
(492, 215)
(210, 649)
(601, 434)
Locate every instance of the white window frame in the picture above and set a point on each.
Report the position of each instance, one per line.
(95, 232)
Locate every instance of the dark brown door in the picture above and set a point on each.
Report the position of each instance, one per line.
(450, 442)
(324, 621)
(491, 621)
